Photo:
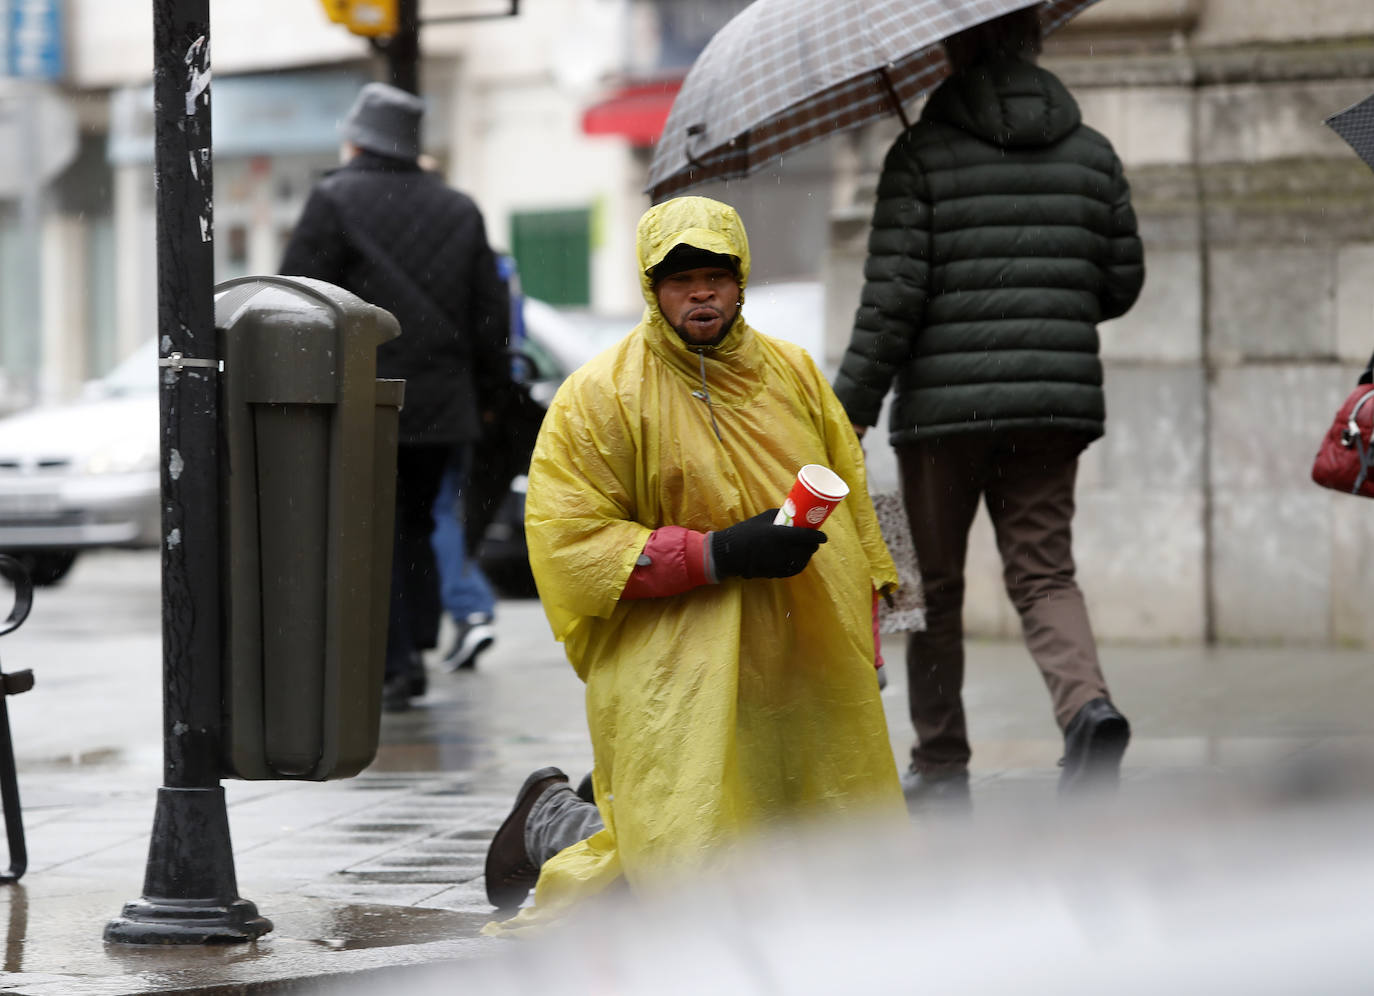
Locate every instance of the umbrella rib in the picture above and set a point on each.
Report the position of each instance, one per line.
(892, 95)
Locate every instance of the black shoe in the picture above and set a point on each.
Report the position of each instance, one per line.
(585, 792)
(416, 676)
(475, 634)
(946, 792)
(510, 874)
(1094, 741)
(396, 693)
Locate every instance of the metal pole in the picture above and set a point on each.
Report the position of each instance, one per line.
(190, 894)
(403, 49)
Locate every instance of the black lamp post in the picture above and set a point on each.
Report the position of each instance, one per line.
(190, 894)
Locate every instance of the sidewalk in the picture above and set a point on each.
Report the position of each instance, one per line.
(383, 871)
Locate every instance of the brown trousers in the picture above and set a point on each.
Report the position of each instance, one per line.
(1027, 479)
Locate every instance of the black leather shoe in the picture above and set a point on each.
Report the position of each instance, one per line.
(946, 792)
(510, 874)
(1094, 742)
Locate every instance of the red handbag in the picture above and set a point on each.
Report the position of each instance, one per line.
(1346, 457)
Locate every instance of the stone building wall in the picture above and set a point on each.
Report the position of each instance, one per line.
(1197, 519)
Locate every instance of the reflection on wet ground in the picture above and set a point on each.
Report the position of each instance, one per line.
(60, 939)
(16, 927)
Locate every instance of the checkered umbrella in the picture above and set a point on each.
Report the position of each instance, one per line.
(784, 73)
(1355, 124)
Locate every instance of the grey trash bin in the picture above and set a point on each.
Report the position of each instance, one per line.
(308, 483)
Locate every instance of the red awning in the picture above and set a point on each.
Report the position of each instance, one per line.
(637, 113)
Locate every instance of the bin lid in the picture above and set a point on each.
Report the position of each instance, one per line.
(302, 302)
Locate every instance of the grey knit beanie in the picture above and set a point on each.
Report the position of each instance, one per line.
(385, 120)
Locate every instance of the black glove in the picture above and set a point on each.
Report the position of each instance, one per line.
(755, 548)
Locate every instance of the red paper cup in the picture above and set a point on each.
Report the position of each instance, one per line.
(817, 491)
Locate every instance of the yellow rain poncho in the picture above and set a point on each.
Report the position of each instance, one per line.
(737, 705)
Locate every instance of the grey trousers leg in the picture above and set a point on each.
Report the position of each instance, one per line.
(559, 819)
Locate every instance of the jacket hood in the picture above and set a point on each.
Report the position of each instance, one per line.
(1011, 103)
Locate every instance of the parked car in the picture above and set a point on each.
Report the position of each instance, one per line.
(78, 476)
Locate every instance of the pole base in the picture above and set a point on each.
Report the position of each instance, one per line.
(187, 921)
(190, 895)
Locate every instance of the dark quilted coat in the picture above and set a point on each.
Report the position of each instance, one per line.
(1003, 233)
(400, 238)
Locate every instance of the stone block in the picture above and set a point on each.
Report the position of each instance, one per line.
(1235, 22)
(1147, 125)
(1166, 210)
(1250, 122)
(1155, 433)
(1267, 422)
(1272, 303)
(1355, 303)
(1299, 203)
(1140, 564)
(1271, 573)
(1165, 325)
(1352, 570)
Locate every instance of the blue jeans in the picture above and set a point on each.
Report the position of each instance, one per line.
(463, 588)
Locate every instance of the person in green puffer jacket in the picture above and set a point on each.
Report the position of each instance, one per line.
(1002, 235)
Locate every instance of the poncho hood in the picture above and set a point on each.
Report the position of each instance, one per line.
(1011, 103)
(704, 224)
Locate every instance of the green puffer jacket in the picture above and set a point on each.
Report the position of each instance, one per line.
(1003, 233)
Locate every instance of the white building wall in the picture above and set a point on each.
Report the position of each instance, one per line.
(521, 87)
(111, 41)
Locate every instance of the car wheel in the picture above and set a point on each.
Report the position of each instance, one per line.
(48, 567)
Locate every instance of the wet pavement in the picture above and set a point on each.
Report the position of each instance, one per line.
(381, 874)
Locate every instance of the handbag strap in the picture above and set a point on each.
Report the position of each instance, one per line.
(1366, 458)
(1363, 448)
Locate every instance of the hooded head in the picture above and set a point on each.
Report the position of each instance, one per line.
(1015, 35)
(688, 235)
(385, 120)
(996, 91)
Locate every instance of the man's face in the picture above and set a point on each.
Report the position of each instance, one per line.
(700, 304)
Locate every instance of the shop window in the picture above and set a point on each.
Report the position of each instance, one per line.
(553, 251)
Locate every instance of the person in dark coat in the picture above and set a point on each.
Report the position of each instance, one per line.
(1002, 235)
(398, 237)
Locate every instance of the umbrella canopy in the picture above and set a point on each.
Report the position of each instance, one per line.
(784, 73)
(1355, 124)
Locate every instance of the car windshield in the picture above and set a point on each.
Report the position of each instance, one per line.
(137, 374)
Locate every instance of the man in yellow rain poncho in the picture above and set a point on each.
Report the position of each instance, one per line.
(729, 662)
